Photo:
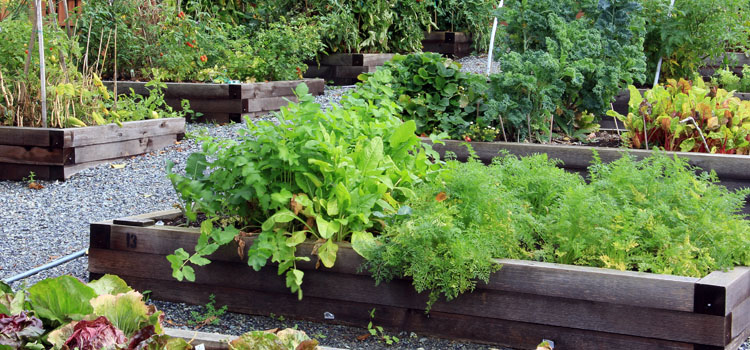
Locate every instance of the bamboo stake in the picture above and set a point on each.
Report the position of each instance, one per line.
(31, 47)
(67, 18)
(42, 71)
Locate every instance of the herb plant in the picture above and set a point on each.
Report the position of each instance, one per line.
(324, 175)
(655, 215)
(661, 118)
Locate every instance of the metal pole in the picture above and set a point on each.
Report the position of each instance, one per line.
(50, 265)
(658, 65)
(492, 43)
(42, 72)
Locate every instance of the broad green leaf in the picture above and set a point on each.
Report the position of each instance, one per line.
(199, 260)
(363, 243)
(225, 235)
(333, 208)
(327, 253)
(125, 311)
(325, 228)
(283, 216)
(296, 238)
(61, 299)
(403, 133)
(109, 284)
(189, 273)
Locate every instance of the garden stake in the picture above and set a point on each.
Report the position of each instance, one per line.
(658, 65)
(492, 43)
(690, 119)
(42, 72)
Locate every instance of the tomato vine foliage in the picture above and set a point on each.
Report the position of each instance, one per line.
(321, 175)
(583, 53)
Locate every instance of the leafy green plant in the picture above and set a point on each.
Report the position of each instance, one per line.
(433, 92)
(210, 314)
(661, 117)
(315, 174)
(64, 312)
(655, 215)
(585, 52)
(377, 331)
(470, 16)
(365, 26)
(694, 31)
(726, 79)
(287, 339)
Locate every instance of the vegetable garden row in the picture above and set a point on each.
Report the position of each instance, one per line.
(432, 194)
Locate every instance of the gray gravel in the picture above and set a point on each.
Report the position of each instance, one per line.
(38, 226)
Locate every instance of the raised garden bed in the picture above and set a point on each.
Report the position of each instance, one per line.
(57, 154)
(732, 170)
(735, 59)
(451, 44)
(224, 103)
(577, 307)
(344, 68)
(620, 105)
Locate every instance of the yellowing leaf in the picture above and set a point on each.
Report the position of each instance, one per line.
(117, 166)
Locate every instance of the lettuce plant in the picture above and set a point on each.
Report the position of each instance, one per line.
(65, 313)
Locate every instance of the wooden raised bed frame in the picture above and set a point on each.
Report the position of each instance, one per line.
(224, 103)
(57, 154)
(344, 68)
(577, 307)
(451, 44)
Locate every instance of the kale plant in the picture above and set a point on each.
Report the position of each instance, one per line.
(593, 47)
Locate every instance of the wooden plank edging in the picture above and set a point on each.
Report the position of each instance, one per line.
(656, 306)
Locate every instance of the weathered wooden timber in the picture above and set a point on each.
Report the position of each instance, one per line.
(57, 154)
(732, 60)
(224, 103)
(451, 44)
(212, 341)
(344, 68)
(731, 169)
(577, 307)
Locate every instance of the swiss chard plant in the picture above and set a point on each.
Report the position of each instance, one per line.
(325, 176)
(681, 116)
(434, 92)
(65, 313)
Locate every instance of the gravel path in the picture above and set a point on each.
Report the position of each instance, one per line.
(38, 226)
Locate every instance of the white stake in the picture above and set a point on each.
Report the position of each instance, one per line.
(42, 72)
(492, 42)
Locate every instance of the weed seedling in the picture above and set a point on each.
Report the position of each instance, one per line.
(378, 332)
(209, 316)
(31, 181)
